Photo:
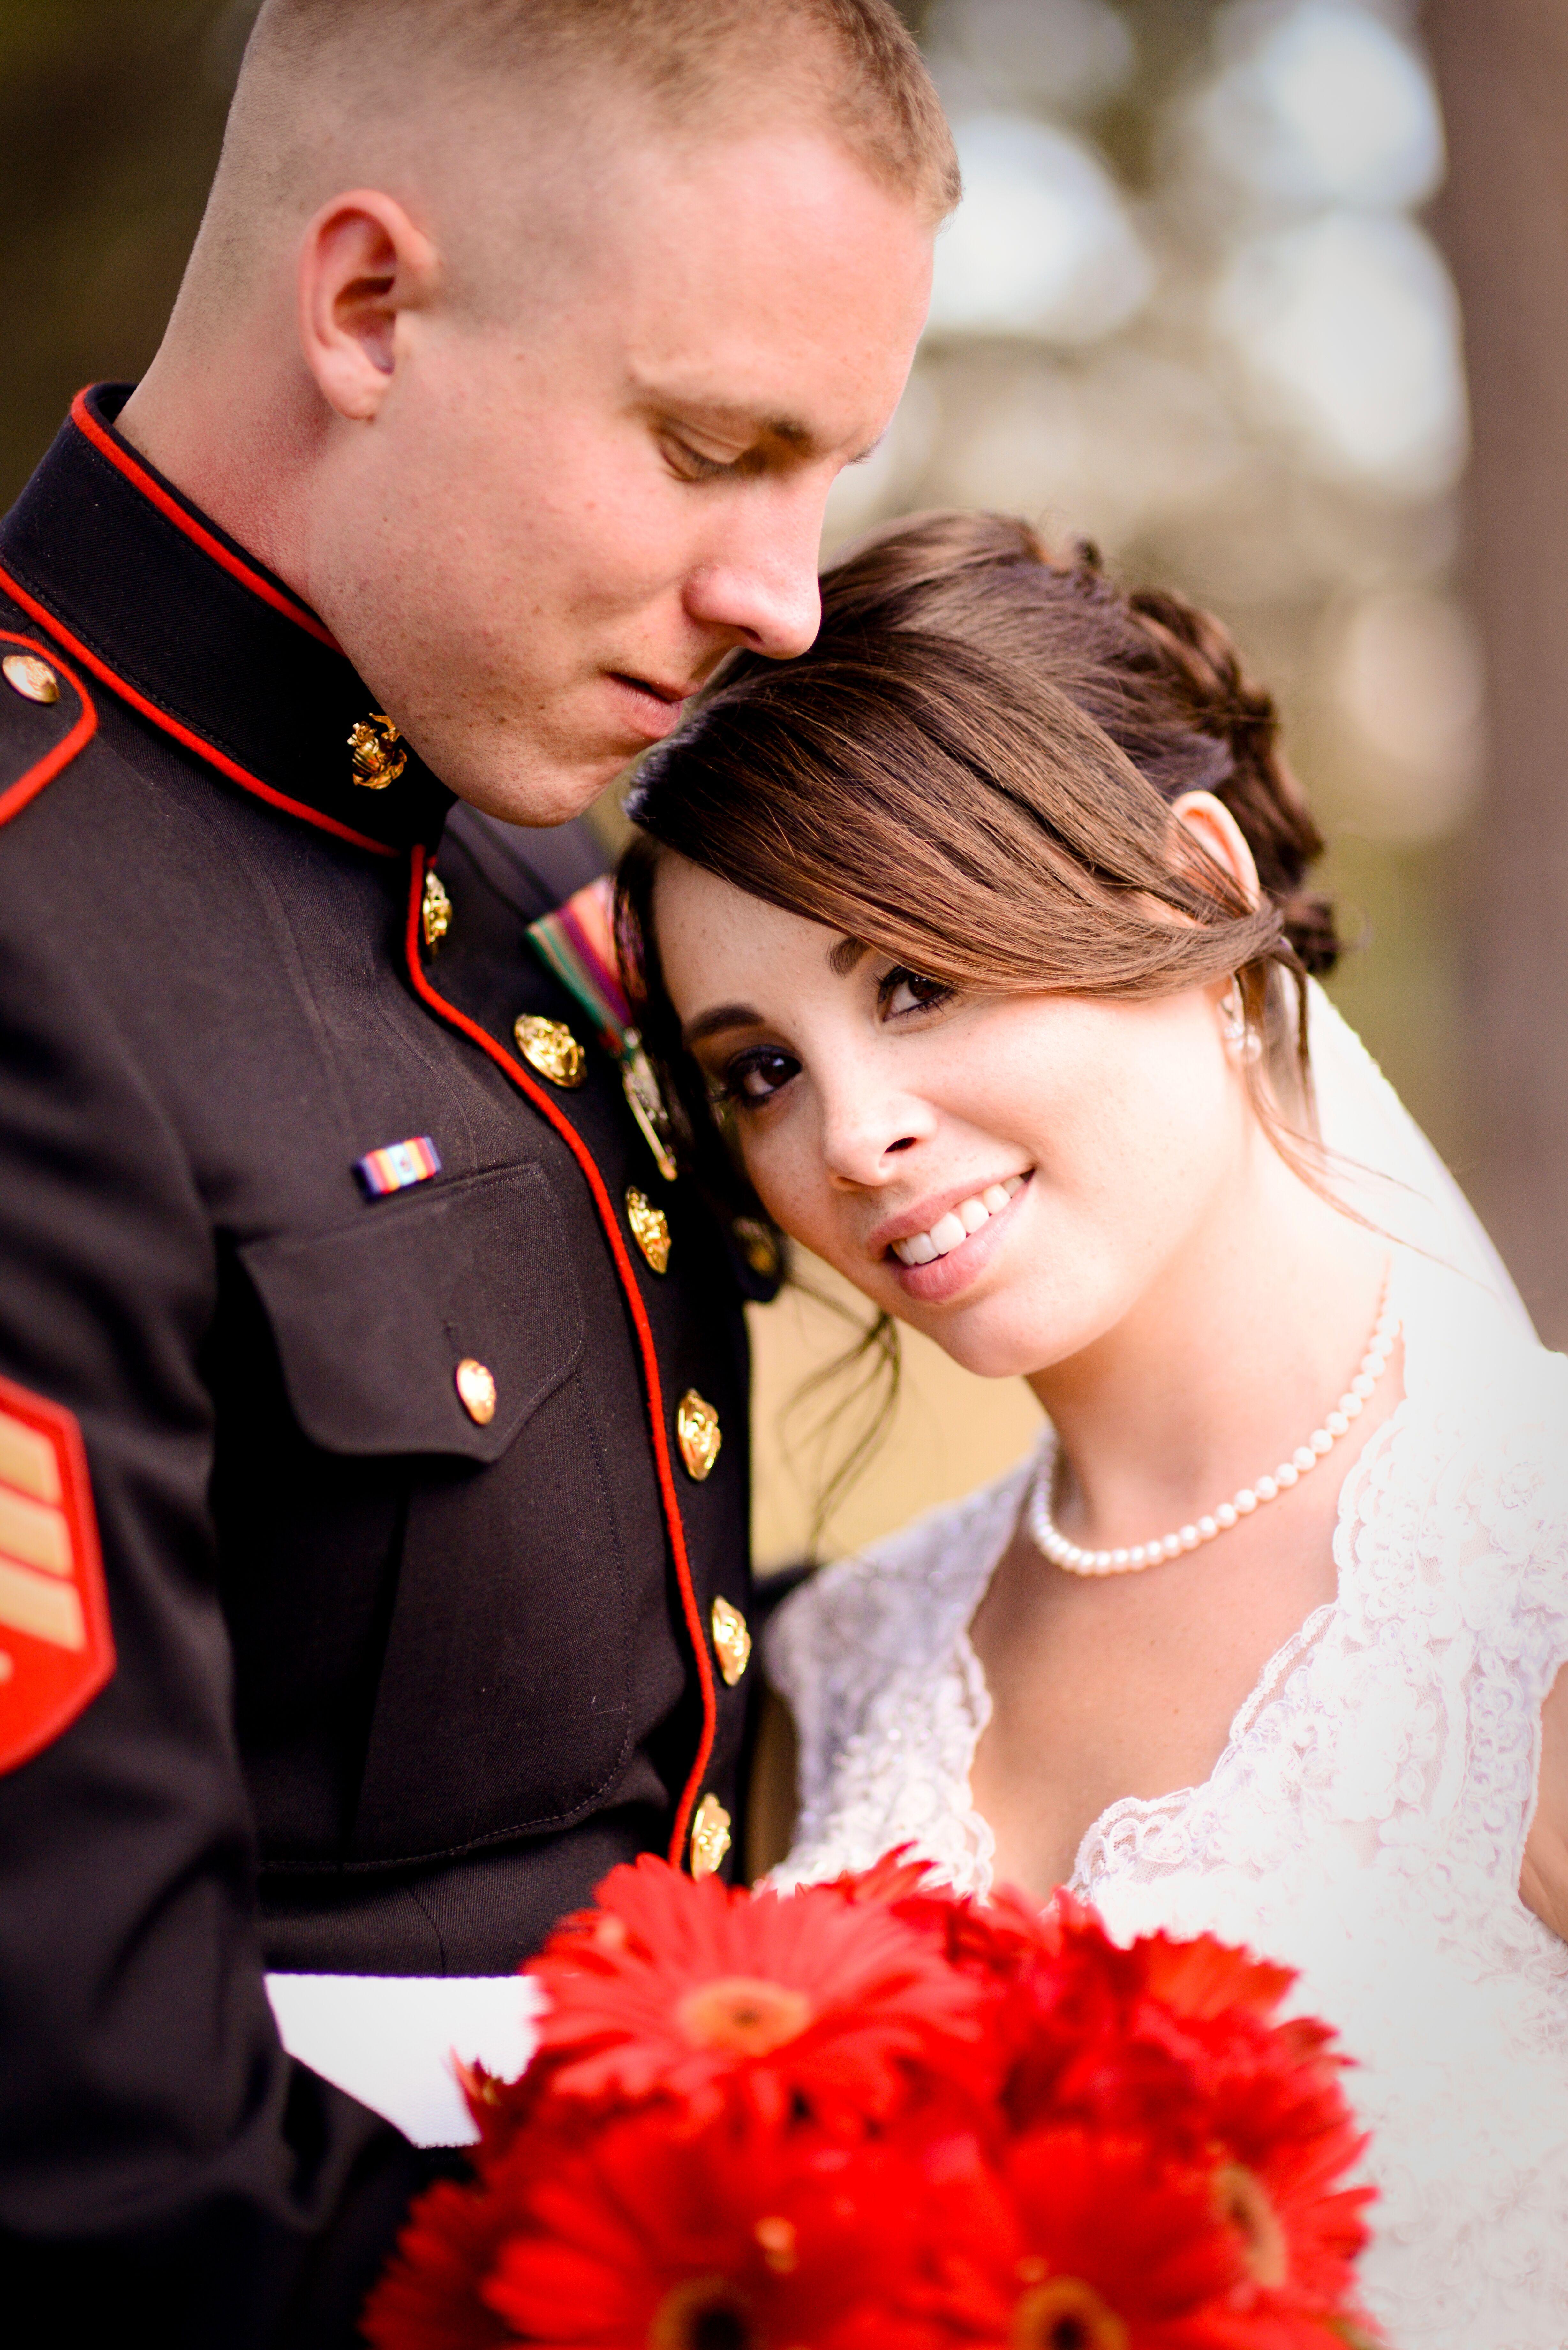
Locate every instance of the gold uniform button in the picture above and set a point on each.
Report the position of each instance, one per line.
(758, 1246)
(475, 1390)
(374, 762)
(731, 1641)
(33, 679)
(549, 1047)
(698, 1434)
(710, 1836)
(435, 913)
(649, 1229)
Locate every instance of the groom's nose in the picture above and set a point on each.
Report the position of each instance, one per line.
(759, 585)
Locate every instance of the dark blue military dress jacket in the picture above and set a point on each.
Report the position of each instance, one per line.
(356, 1602)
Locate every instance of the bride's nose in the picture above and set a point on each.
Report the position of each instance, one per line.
(867, 1133)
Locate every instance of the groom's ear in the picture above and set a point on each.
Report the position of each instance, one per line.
(1211, 823)
(362, 267)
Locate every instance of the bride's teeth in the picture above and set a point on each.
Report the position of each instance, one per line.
(949, 1231)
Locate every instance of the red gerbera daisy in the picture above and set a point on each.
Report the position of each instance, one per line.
(1177, 2040)
(428, 2299)
(674, 1988)
(733, 2237)
(1093, 2244)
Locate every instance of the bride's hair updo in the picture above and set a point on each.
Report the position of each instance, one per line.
(973, 769)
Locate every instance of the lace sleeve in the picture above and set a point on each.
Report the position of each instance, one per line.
(864, 1655)
(827, 1651)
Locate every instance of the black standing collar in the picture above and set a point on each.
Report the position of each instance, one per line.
(163, 607)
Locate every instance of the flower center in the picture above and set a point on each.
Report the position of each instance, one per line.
(744, 2015)
(777, 2239)
(1241, 2197)
(1065, 2314)
(702, 2314)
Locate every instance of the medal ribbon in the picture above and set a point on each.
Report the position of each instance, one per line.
(576, 942)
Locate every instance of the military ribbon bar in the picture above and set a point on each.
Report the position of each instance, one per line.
(397, 1165)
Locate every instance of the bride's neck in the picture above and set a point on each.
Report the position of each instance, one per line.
(1224, 1364)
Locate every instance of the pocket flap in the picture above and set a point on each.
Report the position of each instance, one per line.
(372, 1318)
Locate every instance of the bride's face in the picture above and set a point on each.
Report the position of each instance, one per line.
(1014, 1175)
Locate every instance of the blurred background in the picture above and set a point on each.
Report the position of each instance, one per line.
(1265, 296)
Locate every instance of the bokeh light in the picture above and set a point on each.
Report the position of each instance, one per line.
(1042, 245)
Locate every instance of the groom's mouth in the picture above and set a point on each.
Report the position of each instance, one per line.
(652, 710)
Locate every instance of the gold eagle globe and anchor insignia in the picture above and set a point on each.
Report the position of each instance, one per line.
(649, 1229)
(372, 759)
(710, 1836)
(549, 1047)
(435, 913)
(731, 1641)
(698, 1434)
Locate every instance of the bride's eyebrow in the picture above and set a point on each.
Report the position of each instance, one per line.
(843, 958)
(713, 1023)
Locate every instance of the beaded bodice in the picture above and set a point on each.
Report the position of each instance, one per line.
(1365, 1823)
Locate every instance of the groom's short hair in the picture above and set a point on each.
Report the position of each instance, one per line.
(694, 65)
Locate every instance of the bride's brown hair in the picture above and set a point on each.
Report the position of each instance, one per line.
(972, 770)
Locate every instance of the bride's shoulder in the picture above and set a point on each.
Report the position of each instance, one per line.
(900, 1600)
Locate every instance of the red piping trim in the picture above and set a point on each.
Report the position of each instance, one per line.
(108, 446)
(654, 1390)
(27, 787)
(230, 768)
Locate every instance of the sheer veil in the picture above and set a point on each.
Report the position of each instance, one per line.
(1387, 1169)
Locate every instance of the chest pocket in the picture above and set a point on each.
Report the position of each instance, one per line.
(501, 1704)
(373, 1318)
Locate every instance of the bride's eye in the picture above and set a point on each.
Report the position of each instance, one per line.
(902, 990)
(757, 1076)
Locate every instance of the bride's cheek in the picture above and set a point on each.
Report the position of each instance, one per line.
(789, 1184)
(766, 1173)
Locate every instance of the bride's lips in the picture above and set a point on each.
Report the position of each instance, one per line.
(651, 710)
(946, 1276)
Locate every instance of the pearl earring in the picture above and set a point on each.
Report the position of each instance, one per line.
(1239, 1039)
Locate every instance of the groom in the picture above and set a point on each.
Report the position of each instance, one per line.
(372, 1409)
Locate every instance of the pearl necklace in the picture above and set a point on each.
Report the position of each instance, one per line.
(1048, 1537)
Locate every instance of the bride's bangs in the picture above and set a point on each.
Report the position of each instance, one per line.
(973, 770)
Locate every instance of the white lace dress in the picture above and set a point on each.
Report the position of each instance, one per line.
(1365, 1823)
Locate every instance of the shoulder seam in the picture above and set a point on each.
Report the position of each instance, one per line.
(27, 786)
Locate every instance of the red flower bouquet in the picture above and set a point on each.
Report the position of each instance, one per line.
(871, 2116)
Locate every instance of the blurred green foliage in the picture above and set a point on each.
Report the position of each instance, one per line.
(111, 114)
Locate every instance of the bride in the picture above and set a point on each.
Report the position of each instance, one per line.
(982, 928)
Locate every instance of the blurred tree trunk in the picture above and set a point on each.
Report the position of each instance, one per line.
(1502, 69)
